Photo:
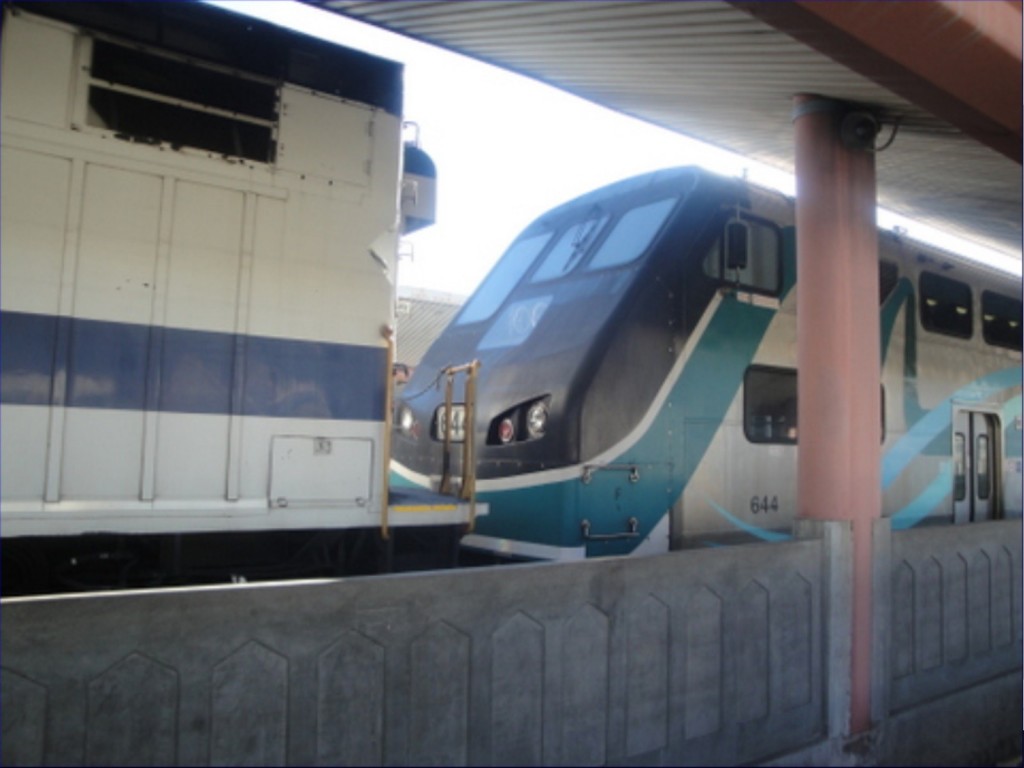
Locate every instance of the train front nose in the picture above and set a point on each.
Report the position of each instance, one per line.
(412, 445)
(513, 430)
(434, 423)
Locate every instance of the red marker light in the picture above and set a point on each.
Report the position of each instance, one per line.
(506, 430)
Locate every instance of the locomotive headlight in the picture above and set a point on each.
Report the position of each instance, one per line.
(537, 419)
(405, 421)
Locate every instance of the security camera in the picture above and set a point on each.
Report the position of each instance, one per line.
(858, 130)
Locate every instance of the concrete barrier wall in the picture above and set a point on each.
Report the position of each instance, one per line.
(954, 609)
(949, 644)
(688, 658)
(736, 655)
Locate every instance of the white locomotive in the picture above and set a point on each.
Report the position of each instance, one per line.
(200, 223)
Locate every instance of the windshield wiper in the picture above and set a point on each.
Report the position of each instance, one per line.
(582, 239)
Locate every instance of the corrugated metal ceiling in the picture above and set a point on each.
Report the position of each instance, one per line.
(714, 72)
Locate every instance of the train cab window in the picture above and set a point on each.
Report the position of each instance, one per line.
(502, 279)
(769, 405)
(632, 234)
(762, 272)
(570, 248)
(945, 305)
(1001, 320)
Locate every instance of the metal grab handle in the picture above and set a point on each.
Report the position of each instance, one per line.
(631, 533)
(589, 469)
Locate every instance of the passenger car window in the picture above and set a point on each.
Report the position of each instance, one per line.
(945, 305)
(502, 279)
(959, 467)
(1001, 320)
(632, 234)
(769, 405)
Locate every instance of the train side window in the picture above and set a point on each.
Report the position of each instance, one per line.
(502, 279)
(1001, 320)
(945, 305)
(763, 271)
(632, 234)
(959, 467)
(769, 405)
(982, 480)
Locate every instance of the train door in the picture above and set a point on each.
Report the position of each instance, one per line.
(975, 465)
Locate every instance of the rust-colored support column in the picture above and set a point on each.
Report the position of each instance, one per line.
(838, 475)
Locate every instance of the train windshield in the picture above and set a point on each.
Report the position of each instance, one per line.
(632, 234)
(571, 246)
(629, 236)
(503, 278)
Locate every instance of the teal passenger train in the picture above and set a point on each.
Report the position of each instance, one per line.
(637, 384)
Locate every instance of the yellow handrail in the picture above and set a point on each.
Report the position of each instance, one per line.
(467, 489)
(389, 340)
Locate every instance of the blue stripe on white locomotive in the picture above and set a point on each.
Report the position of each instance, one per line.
(106, 365)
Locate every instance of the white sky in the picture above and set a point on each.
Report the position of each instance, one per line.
(508, 148)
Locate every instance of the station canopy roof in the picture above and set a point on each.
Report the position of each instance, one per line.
(726, 72)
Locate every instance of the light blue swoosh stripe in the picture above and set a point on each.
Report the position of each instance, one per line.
(931, 497)
(1011, 410)
(1012, 405)
(908, 447)
(753, 530)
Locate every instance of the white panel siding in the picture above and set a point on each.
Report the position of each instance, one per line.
(117, 255)
(23, 448)
(34, 213)
(102, 454)
(205, 252)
